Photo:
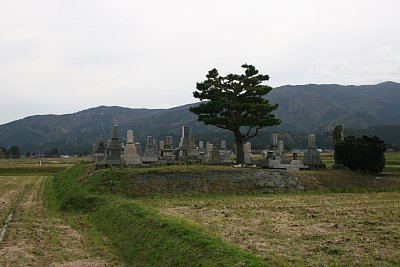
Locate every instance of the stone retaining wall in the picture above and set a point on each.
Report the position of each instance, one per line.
(213, 182)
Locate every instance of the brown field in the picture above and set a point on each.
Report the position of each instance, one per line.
(310, 229)
(33, 237)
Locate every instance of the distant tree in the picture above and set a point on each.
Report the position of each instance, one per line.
(2, 152)
(236, 103)
(14, 151)
(361, 153)
(27, 154)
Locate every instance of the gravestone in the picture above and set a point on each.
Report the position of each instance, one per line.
(149, 154)
(162, 147)
(192, 150)
(224, 153)
(338, 134)
(337, 137)
(212, 155)
(99, 150)
(184, 143)
(274, 140)
(201, 145)
(139, 149)
(223, 145)
(247, 153)
(168, 152)
(114, 149)
(312, 156)
(280, 147)
(130, 157)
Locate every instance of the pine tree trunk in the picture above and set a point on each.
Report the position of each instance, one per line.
(239, 152)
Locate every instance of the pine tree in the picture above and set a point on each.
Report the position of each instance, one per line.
(236, 103)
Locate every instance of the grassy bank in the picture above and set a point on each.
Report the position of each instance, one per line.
(141, 236)
(357, 225)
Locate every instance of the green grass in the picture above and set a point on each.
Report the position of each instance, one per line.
(142, 236)
(95, 241)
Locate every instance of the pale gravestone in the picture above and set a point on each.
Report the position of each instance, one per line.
(312, 156)
(131, 156)
(247, 153)
(212, 155)
(201, 145)
(280, 146)
(162, 147)
(185, 138)
(224, 153)
(223, 145)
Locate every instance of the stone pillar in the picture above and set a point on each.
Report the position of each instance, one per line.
(185, 138)
(162, 145)
(114, 149)
(311, 141)
(280, 146)
(223, 144)
(115, 133)
(131, 156)
(129, 137)
(274, 140)
(201, 145)
(247, 153)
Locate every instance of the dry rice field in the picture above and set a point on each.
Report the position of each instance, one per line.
(32, 237)
(311, 229)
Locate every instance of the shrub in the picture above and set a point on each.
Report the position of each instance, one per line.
(361, 153)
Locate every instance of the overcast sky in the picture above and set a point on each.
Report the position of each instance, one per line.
(64, 56)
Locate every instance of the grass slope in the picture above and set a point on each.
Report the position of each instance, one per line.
(141, 236)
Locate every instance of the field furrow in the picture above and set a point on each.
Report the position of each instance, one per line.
(35, 239)
(350, 229)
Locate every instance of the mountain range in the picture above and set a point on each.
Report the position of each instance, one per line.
(303, 109)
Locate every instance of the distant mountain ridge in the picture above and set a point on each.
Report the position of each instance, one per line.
(318, 108)
(303, 109)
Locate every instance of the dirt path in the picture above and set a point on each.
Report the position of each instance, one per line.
(33, 238)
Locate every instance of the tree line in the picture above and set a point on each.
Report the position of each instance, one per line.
(14, 153)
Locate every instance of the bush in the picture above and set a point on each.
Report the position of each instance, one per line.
(361, 153)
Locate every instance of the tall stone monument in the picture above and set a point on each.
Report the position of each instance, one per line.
(312, 156)
(247, 153)
(338, 134)
(337, 137)
(280, 146)
(274, 140)
(114, 149)
(130, 157)
(185, 138)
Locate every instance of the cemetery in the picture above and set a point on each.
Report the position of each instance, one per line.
(114, 153)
